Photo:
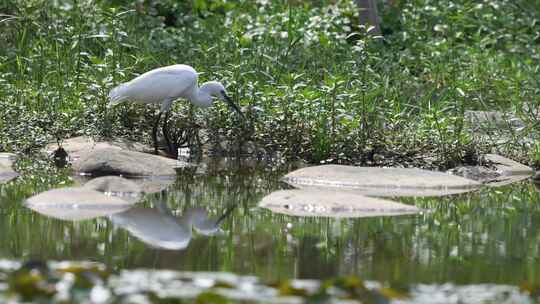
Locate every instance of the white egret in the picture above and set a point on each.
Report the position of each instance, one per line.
(163, 86)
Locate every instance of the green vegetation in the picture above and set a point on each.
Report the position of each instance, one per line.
(311, 82)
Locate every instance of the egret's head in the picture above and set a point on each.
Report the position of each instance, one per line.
(216, 89)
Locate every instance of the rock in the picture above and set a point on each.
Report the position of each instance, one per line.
(77, 146)
(507, 167)
(487, 176)
(6, 167)
(536, 177)
(76, 203)
(501, 171)
(112, 161)
(116, 186)
(380, 181)
(330, 203)
(509, 171)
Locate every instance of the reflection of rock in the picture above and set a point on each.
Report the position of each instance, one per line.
(6, 170)
(75, 204)
(116, 186)
(332, 204)
(501, 171)
(147, 184)
(380, 181)
(158, 227)
(109, 161)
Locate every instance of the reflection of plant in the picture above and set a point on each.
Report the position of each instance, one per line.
(469, 232)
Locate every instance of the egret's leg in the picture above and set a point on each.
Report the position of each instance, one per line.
(165, 130)
(154, 133)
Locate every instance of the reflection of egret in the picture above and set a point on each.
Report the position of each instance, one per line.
(158, 227)
(205, 225)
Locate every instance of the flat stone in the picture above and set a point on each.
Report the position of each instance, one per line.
(487, 176)
(111, 161)
(330, 203)
(498, 171)
(380, 181)
(77, 146)
(75, 203)
(504, 180)
(6, 167)
(507, 167)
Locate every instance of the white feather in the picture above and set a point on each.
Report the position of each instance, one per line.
(157, 86)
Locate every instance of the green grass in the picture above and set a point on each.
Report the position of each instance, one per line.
(311, 83)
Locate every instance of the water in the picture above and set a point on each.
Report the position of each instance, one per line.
(489, 236)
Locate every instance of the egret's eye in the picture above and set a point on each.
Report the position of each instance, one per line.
(222, 92)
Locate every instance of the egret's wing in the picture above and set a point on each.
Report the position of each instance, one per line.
(161, 84)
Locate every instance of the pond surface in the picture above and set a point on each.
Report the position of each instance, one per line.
(488, 236)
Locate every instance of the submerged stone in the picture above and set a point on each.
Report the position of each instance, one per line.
(110, 161)
(332, 204)
(380, 181)
(76, 203)
(6, 167)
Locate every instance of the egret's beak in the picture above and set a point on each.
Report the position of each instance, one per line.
(234, 106)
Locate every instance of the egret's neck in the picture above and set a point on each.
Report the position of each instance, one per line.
(201, 97)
